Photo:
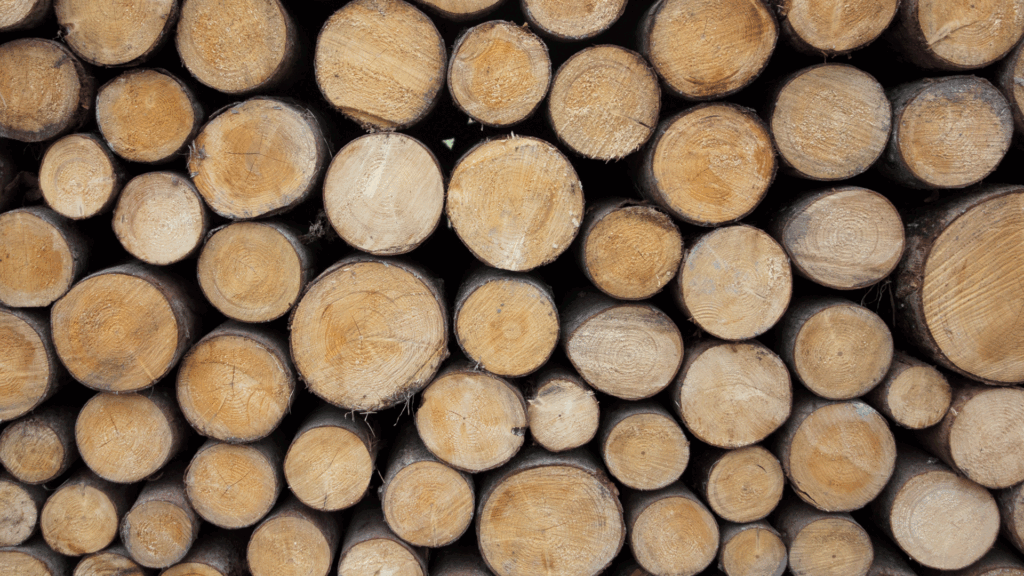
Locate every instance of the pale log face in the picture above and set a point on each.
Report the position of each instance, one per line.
(113, 32)
(288, 546)
(146, 116)
(78, 519)
(18, 515)
(41, 87)
(428, 504)
(987, 438)
(328, 468)
(36, 262)
(646, 451)
(78, 176)
(970, 34)
(160, 218)
(123, 438)
(831, 547)
(24, 367)
(574, 19)
(675, 535)
(16, 562)
(232, 486)
(832, 27)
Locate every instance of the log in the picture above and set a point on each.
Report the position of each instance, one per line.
(30, 371)
(516, 228)
(844, 238)
(39, 447)
(41, 255)
(742, 485)
(1011, 68)
(833, 28)
(628, 350)
(329, 463)
(293, 541)
(562, 411)
(710, 56)
(234, 485)
(80, 177)
(114, 561)
(369, 333)
(732, 395)
(161, 526)
(753, 549)
(371, 548)
(20, 505)
(572, 21)
(110, 33)
(734, 283)
(604, 102)
(823, 543)
(384, 193)
(217, 554)
(889, 560)
(46, 90)
(545, 514)
(837, 349)
(160, 218)
(23, 14)
(506, 322)
(215, 48)
(913, 394)
(254, 271)
(459, 10)
(82, 515)
(381, 64)
(940, 519)
(456, 561)
(709, 165)
(670, 531)
(1011, 511)
(33, 559)
(237, 383)
(498, 73)
(1000, 561)
(425, 502)
(258, 158)
(948, 132)
(147, 115)
(642, 445)
(959, 35)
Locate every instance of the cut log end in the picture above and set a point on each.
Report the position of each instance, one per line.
(159, 533)
(745, 484)
(960, 35)
(663, 520)
(234, 486)
(293, 541)
(563, 412)
(112, 34)
(985, 436)
(82, 516)
(39, 447)
(29, 371)
(160, 218)
(31, 562)
(22, 14)
(79, 177)
(371, 548)
(572, 21)
(329, 464)
(41, 256)
(61, 95)
(827, 545)
(428, 504)
(752, 550)
(19, 511)
(110, 562)
(833, 28)
(913, 395)
(643, 446)
(461, 9)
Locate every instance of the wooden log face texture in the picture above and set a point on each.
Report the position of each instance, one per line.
(18, 515)
(919, 397)
(159, 218)
(573, 19)
(460, 9)
(113, 32)
(232, 486)
(14, 12)
(159, 532)
(379, 556)
(987, 439)
(123, 438)
(31, 451)
(563, 415)
(37, 264)
(289, 546)
(41, 84)
(78, 177)
(755, 551)
(633, 252)
(834, 27)
(428, 504)
(24, 366)
(831, 547)
(745, 485)
(674, 535)
(78, 519)
(328, 468)
(145, 115)
(23, 564)
(646, 451)
(192, 569)
(970, 34)
(110, 564)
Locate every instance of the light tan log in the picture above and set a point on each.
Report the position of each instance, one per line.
(573, 20)
(709, 165)
(22, 14)
(520, 227)
(1011, 68)
(80, 177)
(46, 89)
(20, 505)
(30, 371)
(369, 333)
(823, 543)
(642, 445)
(237, 383)
(41, 255)
(384, 193)
(957, 35)
(161, 526)
(670, 531)
(753, 549)
(948, 132)
(981, 435)
(889, 560)
(254, 271)
(562, 410)
(239, 46)
(461, 9)
(160, 218)
(33, 559)
(913, 394)
(293, 541)
(713, 55)
(741, 485)
(147, 115)
(629, 350)
(506, 323)
(732, 394)
(604, 102)
(329, 463)
(831, 27)
(381, 64)
(1011, 512)
(258, 158)
(114, 561)
(838, 456)
(41, 446)
(371, 548)
(1000, 561)
(82, 515)
(234, 485)
(110, 33)
(221, 553)
(545, 514)
(734, 282)
(940, 519)
(498, 73)
(458, 561)
(425, 502)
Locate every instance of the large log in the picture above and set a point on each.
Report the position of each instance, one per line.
(41, 255)
(823, 543)
(671, 533)
(741, 485)
(753, 549)
(573, 20)
(957, 35)
(370, 548)
(160, 218)
(234, 485)
(20, 506)
(833, 27)
(161, 526)
(293, 541)
(30, 371)
(111, 33)
(913, 394)
(642, 445)
(562, 410)
(82, 515)
(80, 177)
(39, 447)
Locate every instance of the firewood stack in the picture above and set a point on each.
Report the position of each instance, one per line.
(536, 288)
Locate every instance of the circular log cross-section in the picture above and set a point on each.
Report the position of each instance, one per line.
(19, 510)
(742, 485)
(113, 561)
(41, 446)
(82, 515)
(834, 27)
(234, 485)
(754, 549)
(41, 256)
(33, 559)
(643, 446)
(822, 544)
(79, 176)
(115, 33)
(160, 218)
(709, 165)
(573, 20)
(960, 34)
(161, 527)
(913, 394)
(380, 63)
(30, 371)
(519, 227)
(293, 541)
(562, 411)
(370, 548)
(384, 193)
(22, 14)
(670, 531)
(459, 10)
(369, 333)
(604, 102)
(1011, 68)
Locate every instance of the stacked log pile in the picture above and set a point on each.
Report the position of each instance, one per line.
(536, 288)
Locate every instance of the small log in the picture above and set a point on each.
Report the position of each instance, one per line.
(604, 101)
(710, 164)
(254, 271)
(670, 531)
(20, 505)
(833, 28)
(753, 549)
(456, 561)
(384, 193)
(41, 256)
(958, 35)
(293, 541)
(1011, 511)
(160, 218)
(82, 515)
(732, 395)
(948, 132)
(735, 282)
(1000, 561)
(545, 514)
(823, 543)
(33, 559)
(628, 350)
(506, 323)
(889, 560)
(114, 561)
(23, 14)
(572, 21)
(41, 446)
(710, 56)
(258, 158)
(520, 227)
(459, 10)
(80, 177)
(329, 463)
(234, 485)
(562, 411)
(161, 527)
(30, 371)
(147, 116)
(217, 554)
(425, 502)
(369, 333)
(913, 394)
(499, 73)
(371, 548)
(46, 90)
(741, 485)
(109, 33)
(642, 445)
(237, 383)
(1011, 68)
(381, 64)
